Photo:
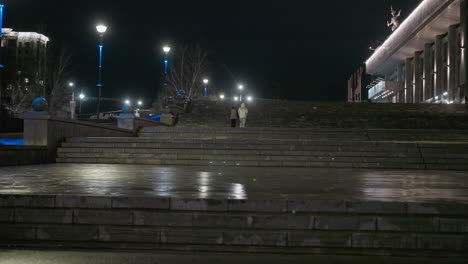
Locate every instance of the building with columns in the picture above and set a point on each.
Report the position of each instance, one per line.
(424, 60)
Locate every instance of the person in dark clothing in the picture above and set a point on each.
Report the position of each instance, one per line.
(233, 116)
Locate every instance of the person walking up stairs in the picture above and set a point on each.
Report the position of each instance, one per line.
(243, 112)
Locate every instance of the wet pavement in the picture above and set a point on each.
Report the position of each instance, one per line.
(236, 183)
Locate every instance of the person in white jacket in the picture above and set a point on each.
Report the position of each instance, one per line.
(243, 112)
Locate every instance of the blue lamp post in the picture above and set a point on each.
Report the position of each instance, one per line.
(101, 29)
(205, 90)
(166, 50)
(1, 33)
(1, 51)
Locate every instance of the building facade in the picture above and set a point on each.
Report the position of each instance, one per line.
(424, 60)
(357, 84)
(24, 58)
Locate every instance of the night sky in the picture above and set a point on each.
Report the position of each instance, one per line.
(306, 48)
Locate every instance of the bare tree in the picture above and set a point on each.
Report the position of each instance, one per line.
(59, 72)
(188, 67)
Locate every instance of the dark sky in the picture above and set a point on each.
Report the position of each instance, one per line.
(308, 48)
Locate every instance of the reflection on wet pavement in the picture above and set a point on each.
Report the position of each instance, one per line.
(235, 183)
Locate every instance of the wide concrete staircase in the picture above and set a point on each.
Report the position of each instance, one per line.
(293, 226)
(304, 114)
(270, 147)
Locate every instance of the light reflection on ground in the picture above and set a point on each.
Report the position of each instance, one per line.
(235, 183)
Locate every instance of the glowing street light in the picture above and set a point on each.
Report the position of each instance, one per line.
(166, 49)
(140, 103)
(71, 84)
(236, 98)
(127, 102)
(101, 29)
(82, 97)
(221, 96)
(249, 98)
(205, 90)
(241, 88)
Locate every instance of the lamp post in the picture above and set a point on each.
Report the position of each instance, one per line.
(82, 97)
(166, 50)
(1, 53)
(101, 29)
(241, 88)
(205, 90)
(72, 102)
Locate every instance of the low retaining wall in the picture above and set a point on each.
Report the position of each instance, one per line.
(42, 130)
(23, 155)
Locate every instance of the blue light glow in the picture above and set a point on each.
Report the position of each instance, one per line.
(1, 20)
(12, 141)
(205, 92)
(155, 117)
(100, 55)
(166, 62)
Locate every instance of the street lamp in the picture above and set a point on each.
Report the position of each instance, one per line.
(82, 97)
(205, 90)
(221, 96)
(249, 98)
(1, 55)
(236, 98)
(127, 102)
(166, 50)
(72, 102)
(140, 103)
(241, 88)
(101, 29)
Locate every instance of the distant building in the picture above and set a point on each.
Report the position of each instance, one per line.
(357, 84)
(424, 60)
(24, 59)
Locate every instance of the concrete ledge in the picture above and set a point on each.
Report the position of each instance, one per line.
(291, 206)
(23, 155)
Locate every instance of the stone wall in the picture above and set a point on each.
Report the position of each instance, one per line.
(23, 155)
(302, 114)
(295, 225)
(50, 132)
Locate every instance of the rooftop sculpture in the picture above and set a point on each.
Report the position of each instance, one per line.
(394, 22)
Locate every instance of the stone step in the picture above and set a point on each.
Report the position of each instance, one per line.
(239, 158)
(221, 140)
(401, 148)
(250, 152)
(253, 136)
(266, 225)
(266, 163)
